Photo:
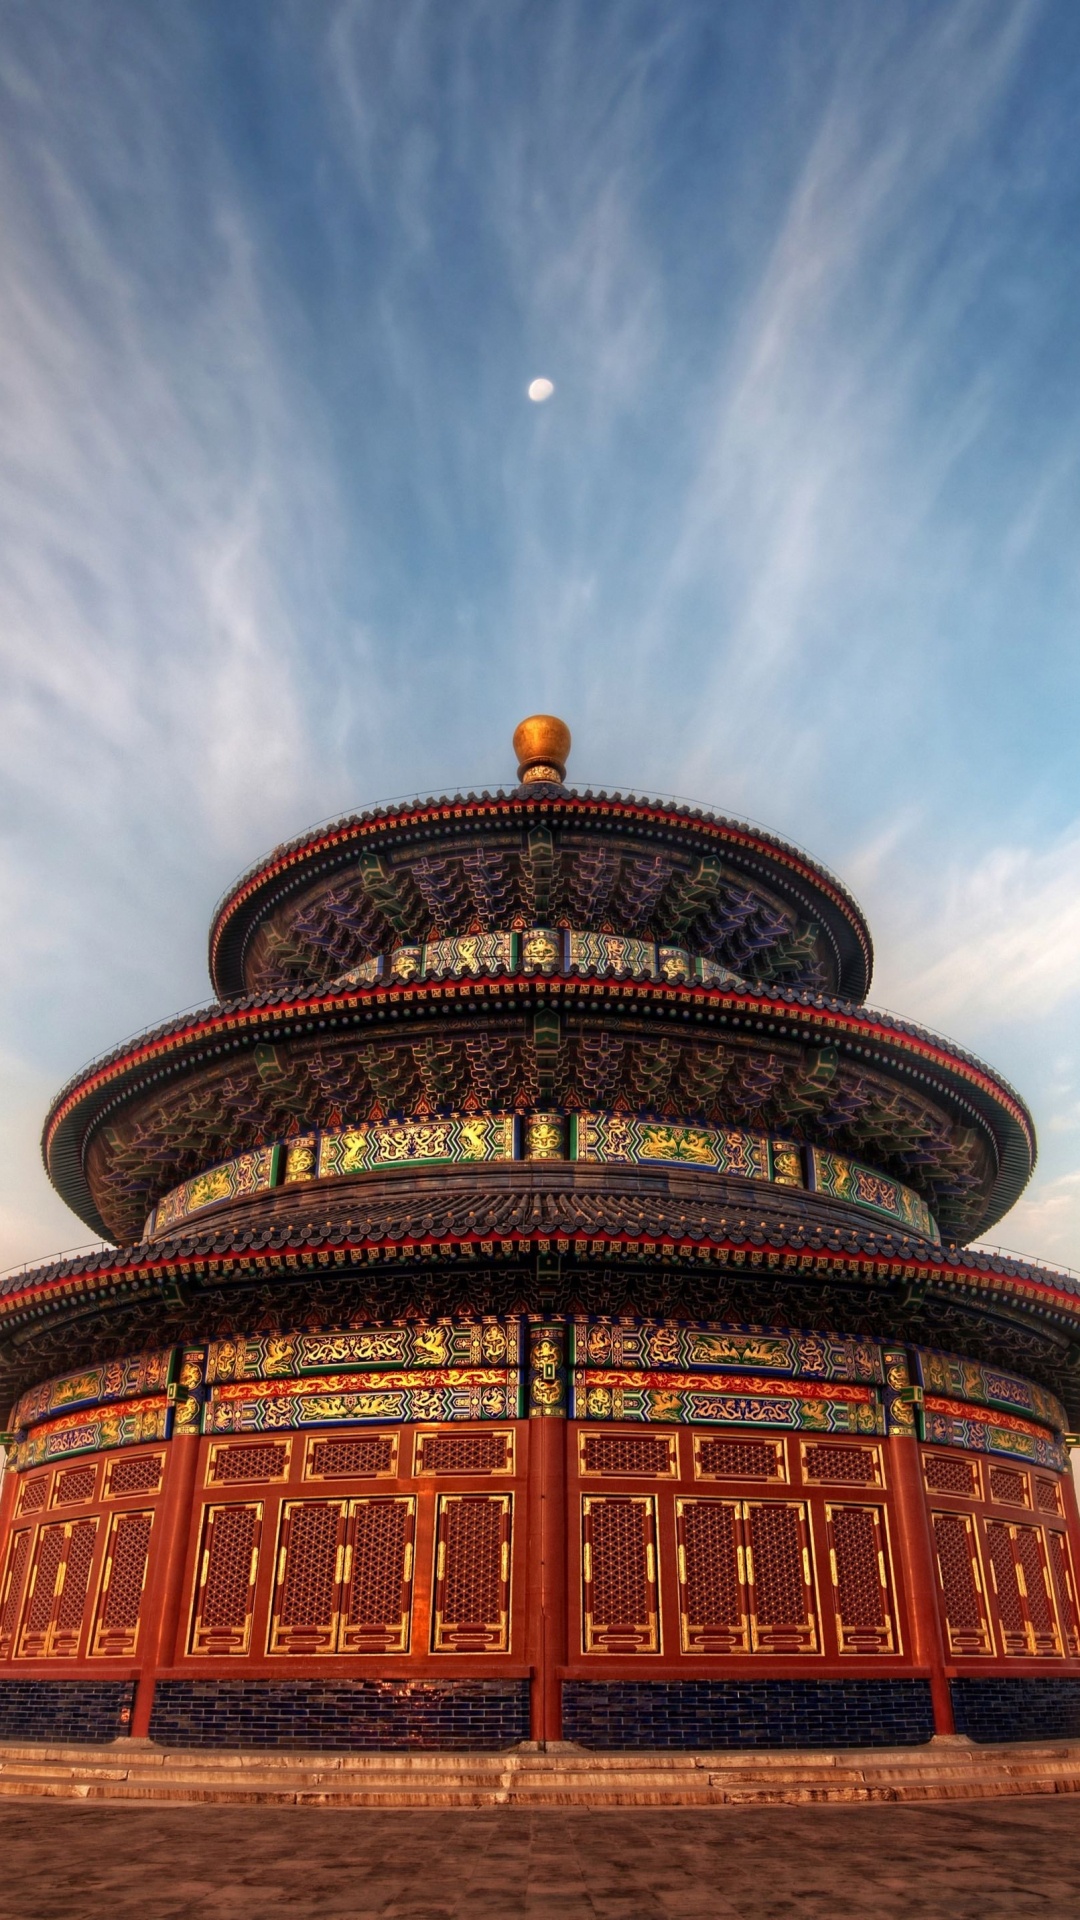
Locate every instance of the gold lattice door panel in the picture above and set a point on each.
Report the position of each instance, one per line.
(621, 1598)
(1065, 1583)
(861, 1579)
(1021, 1580)
(123, 1580)
(473, 1539)
(225, 1586)
(343, 1576)
(780, 1574)
(967, 1623)
(714, 1601)
(377, 1598)
(58, 1591)
(309, 1576)
(11, 1592)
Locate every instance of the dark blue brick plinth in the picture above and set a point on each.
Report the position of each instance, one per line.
(350, 1715)
(710, 1714)
(77, 1712)
(1001, 1709)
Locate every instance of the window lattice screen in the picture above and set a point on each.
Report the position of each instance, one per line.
(139, 1475)
(464, 1453)
(371, 1455)
(643, 1456)
(74, 1484)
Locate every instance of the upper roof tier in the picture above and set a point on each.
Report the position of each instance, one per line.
(535, 953)
(541, 854)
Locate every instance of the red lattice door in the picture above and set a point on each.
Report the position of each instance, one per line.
(473, 1533)
(1065, 1582)
(308, 1577)
(1021, 1581)
(619, 1573)
(11, 1592)
(780, 1575)
(225, 1590)
(861, 1584)
(377, 1601)
(123, 1578)
(967, 1623)
(714, 1603)
(59, 1586)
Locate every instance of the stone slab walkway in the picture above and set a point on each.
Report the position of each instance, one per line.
(977, 1861)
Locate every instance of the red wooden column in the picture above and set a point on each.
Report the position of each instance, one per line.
(163, 1597)
(919, 1573)
(546, 1573)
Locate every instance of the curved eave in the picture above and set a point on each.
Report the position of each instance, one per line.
(905, 1052)
(807, 885)
(249, 1252)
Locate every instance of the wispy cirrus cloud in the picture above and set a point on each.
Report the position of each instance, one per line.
(280, 532)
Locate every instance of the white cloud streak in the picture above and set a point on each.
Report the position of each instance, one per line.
(280, 532)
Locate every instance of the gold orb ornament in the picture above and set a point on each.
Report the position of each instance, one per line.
(542, 745)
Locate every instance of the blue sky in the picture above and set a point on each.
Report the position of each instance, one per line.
(281, 534)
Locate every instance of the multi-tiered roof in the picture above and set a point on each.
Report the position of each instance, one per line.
(542, 1043)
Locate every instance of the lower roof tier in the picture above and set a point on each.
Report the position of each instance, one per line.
(540, 1237)
(865, 1086)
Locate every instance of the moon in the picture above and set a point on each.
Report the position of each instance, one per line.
(540, 390)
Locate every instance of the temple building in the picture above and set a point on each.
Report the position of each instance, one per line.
(539, 1306)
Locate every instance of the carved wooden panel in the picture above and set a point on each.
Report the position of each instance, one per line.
(960, 1574)
(620, 1575)
(629, 1456)
(225, 1586)
(783, 1608)
(123, 1579)
(307, 1577)
(11, 1592)
(377, 1601)
(714, 1605)
(57, 1594)
(861, 1579)
(473, 1535)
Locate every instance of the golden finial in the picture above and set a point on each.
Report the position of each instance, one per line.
(542, 745)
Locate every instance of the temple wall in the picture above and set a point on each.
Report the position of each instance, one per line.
(621, 1555)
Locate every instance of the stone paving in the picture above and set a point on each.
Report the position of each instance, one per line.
(977, 1861)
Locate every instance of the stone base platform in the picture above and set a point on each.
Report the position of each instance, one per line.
(946, 1769)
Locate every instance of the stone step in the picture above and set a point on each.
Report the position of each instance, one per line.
(137, 1772)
